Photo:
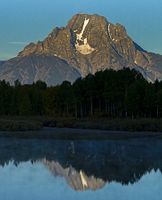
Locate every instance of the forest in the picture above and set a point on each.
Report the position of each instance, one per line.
(108, 94)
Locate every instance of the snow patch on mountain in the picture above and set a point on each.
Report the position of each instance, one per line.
(109, 32)
(79, 36)
(84, 48)
(82, 44)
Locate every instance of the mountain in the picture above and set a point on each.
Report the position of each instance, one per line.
(87, 44)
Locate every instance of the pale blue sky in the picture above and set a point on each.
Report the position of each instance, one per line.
(24, 21)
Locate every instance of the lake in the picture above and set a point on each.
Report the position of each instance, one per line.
(57, 170)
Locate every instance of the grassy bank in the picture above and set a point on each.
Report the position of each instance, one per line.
(106, 124)
(19, 124)
(38, 122)
(121, 124)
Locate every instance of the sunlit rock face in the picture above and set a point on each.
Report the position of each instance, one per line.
(88, 43)
(77, 180)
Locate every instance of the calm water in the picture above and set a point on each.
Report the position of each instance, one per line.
(59, 170)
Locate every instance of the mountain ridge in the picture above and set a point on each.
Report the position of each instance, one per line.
(90, 43)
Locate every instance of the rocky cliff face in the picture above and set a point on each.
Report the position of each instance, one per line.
(90, 43)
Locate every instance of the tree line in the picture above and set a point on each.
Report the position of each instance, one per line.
(113, 94)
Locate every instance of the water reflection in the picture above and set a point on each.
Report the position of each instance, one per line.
(78, 180)
(87, 164)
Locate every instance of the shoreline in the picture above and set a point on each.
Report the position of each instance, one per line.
(78, 134)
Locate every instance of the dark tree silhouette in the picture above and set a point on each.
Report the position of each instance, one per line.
(114, 94)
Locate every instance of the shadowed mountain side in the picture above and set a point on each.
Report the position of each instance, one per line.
(1, 62)
(121, 161)
(27, 70)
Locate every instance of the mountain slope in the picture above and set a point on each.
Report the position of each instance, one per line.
(31, 68)
(1, 62)
(90, 43)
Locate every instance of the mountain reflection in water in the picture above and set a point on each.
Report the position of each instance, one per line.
(87, 164)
